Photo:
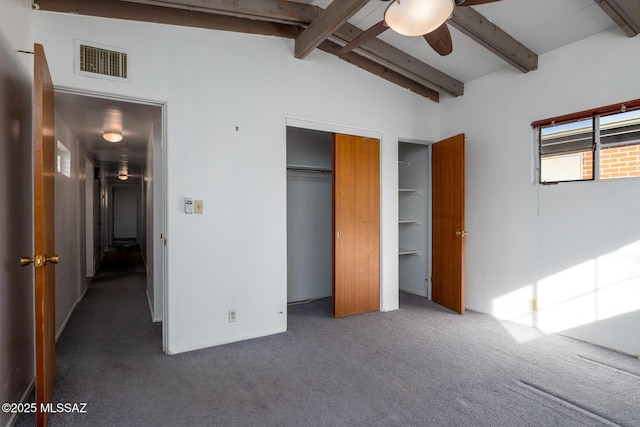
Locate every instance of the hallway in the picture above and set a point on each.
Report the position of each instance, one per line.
(109, 336)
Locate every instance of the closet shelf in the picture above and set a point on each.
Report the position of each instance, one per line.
(409, 190)
(404, 251)
(409, 221)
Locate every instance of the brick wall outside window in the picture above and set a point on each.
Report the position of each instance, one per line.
(587, 165)
(620, 162)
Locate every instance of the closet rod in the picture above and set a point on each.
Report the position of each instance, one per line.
(309, 169)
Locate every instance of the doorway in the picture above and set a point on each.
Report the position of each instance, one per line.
(122, 183)
(431, 220)
(414, 218)
(124, 214)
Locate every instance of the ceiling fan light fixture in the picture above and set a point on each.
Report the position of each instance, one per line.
(112, 135)
(417, 17)
(123, 176)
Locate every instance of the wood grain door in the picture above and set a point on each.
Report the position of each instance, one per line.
(44, 233)
(448, 223)
(356, 225)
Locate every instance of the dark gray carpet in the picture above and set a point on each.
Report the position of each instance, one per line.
(418, 366)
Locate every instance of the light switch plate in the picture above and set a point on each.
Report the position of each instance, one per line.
(198, 206)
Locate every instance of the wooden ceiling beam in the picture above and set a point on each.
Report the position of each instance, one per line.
(625, 13)
(472, 23)
(329, 20)
(401, 62)
(393, 64)
(379, 70)
(284, 11)
(377, 51)
(165, 15)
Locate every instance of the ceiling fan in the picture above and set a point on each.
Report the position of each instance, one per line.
(425, 18)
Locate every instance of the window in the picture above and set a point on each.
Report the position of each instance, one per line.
(595, 144)
(63, 160)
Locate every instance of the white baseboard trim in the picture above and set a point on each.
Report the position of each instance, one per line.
(153, 315)
(66, 320)
(23, 399)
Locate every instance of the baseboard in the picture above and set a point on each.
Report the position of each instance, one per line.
(23, 399)
(66, 320)
(216, 343)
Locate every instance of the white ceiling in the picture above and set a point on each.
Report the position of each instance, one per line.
(540, 25)
(88, 117)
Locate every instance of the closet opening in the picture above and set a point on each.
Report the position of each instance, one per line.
(309, 210)
(414, 218)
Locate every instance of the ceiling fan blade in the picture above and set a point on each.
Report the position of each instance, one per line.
(476, 2)
(440, 40)
(365, 36)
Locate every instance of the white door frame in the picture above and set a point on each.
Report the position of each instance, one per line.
(159, 206)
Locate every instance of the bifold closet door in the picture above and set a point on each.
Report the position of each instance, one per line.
(356, 225)
(448, 231)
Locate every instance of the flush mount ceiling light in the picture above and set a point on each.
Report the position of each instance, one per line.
(123, 176)
(417, 17)
(112, 135)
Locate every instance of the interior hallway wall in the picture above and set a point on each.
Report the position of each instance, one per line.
(16, 200)
(70, 233)
(154, 227)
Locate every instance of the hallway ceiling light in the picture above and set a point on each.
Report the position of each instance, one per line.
(417, 17)
(123, 176)
(112, 135)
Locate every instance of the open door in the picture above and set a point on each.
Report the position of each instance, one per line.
(44, 233)
(448, 223)
(356, 225)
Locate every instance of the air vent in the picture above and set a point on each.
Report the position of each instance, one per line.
(102, 61)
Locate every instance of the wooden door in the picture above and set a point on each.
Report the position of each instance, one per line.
(44, 232)
(356, 225)
(447, 277)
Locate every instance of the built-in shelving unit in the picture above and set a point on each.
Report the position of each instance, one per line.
(404, 251)
(410, 190)
(413, 203)
(409, 221)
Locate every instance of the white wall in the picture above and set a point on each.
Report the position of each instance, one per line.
(566, 245)
(228, 96)
(153, 247)
(16, 200)
(70, 230)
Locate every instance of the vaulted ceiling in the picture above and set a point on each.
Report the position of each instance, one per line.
(485, 37)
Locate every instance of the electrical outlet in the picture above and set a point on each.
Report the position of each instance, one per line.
(232, 316)
(533, 304)
(198, 206)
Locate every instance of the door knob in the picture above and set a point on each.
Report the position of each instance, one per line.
(25, 260)
(39, 260)
(462, 233)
